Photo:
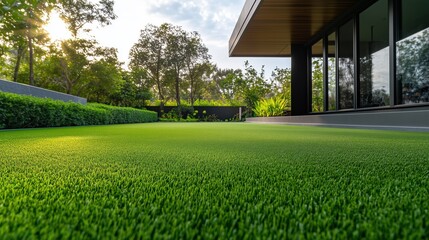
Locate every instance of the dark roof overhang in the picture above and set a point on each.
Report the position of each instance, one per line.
(268, 28)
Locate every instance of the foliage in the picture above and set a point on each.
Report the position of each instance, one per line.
(81, 67)
(250, 86)
(201, 103)
(148, 56)
(104, 75)
(22, 29)
(188, 114)
(275, 106)
(282, 83)
(197, 65)
(317, 97)
(180, 114)
(17, 111)
(131, 92)
(175, 60)
(412, 69)
(78, 13)
(213, 181)
(121, 115)
(224, 84)
(332, 83)
(346, 83)
(167, 62)
(29, 53)
(177, 41)
(209, 118)
(218, 103)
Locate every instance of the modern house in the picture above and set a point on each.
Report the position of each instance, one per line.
(373, 56)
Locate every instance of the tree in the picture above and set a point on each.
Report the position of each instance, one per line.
(196, 64)
(346, 82)
(78, 13)
(225, 82)
(70, 65)
(176, 54)
(413, 68)
(149, 55)
(252, 86)
(170, 55)
(198, 77)
(133, 91)
(81, 67)
(104, 75)
(281, 81)
(22, 25)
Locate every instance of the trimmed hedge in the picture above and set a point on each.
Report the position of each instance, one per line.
(126, 114)
(19, 111)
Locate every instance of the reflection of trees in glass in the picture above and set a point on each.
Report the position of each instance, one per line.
(374, 55)
(346, 66)
(413, 68)
(366, 66)
(370, 96)
(380, 97)
(332, 91)
(346, 83)
(317, 85)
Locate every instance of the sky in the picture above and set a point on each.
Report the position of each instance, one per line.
(213, 19)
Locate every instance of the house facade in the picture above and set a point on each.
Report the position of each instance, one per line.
(353, 61)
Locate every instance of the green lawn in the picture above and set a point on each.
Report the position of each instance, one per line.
(213, 180)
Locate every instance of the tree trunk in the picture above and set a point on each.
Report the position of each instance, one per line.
(177, 90)
(19, 54)
(31, 60)
(161, 108)
(191, 96)
(161, 95)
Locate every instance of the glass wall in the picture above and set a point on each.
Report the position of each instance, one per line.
(412, 53)
(332, 72)
(374, 55)
(375, 64)
(346, 66)
(317, 96)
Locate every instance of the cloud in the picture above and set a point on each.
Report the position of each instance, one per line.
(214, 19)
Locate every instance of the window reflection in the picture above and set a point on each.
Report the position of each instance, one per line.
(412, 52)
(374, 55)
(346, 66)
(332, 73)
(317, 95)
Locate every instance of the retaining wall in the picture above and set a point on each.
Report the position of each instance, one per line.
(19, 88)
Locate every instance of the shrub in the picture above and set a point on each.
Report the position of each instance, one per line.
(210, 118)
(270, 107)
(200, 103)
(121, 115)
(18, 111)
(180, 114)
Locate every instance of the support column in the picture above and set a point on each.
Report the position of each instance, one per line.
(299, 81)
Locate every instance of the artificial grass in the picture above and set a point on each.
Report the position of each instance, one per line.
(213, 180)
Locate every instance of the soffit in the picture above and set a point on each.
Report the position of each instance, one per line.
(270, 27)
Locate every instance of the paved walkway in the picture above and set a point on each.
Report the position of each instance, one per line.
(376, 127)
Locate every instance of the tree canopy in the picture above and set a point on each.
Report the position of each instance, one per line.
(167, 64)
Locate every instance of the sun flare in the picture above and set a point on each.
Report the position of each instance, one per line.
(56, 28)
